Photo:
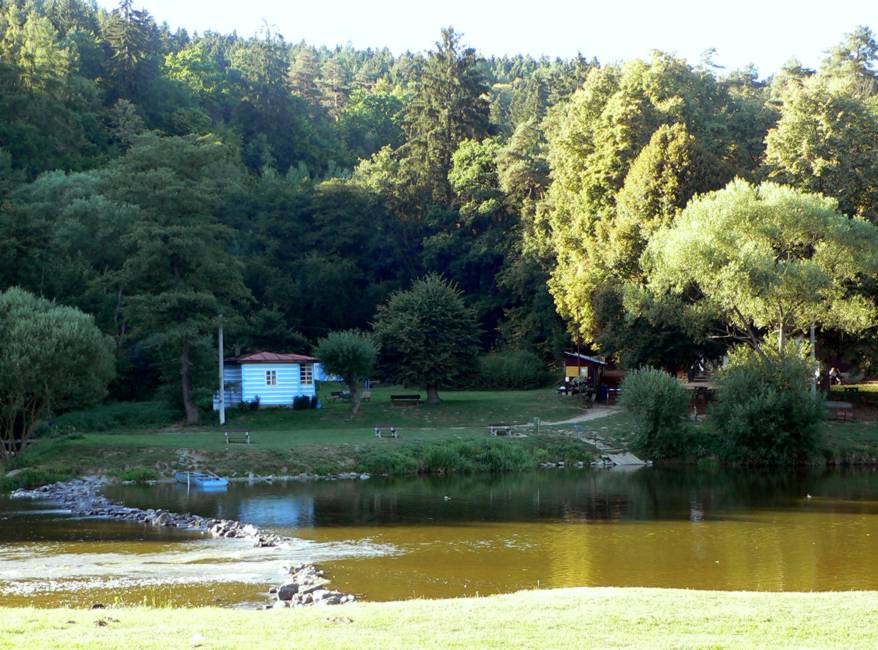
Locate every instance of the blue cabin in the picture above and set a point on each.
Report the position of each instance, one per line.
(271, 378)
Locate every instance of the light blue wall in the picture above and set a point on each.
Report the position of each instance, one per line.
(282, 394)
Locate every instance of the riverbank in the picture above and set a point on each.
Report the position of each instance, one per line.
(563, 618)
(451, 437)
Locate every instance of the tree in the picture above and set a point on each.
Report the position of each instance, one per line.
(351, 355)
(768, 257)
(179, 275)
(428, 335)
(52, 358)
(827, 141)
(449, 106)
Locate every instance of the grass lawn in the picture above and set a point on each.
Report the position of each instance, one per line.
(285, 441)
(565, 618)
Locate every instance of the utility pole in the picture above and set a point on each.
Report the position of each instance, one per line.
(813, 361)
(222, 388)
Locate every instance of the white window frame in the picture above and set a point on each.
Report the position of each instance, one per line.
(271, 377)
(306, 374)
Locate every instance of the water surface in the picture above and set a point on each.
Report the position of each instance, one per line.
(432, 538)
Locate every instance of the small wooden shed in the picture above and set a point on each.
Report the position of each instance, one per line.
(585, 367)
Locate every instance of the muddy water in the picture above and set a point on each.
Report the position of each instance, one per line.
(434, 538)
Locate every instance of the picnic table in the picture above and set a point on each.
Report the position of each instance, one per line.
(500, 429)
(841, 411)
(386, 431)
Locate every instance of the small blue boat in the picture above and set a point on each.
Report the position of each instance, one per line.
(201, 479)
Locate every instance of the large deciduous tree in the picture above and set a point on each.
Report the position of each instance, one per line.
(180, 274)
(769, 258)
(52, 357)
(428, 336)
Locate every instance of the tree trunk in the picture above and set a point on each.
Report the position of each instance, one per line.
(432, 395)
(186, 386)
(354, 387)
(781, 338)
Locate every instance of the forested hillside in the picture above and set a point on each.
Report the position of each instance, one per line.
(162, 180)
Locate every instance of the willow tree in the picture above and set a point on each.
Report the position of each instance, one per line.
(52, 357)
(768, 258)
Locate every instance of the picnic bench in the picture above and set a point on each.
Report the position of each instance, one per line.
(237, 437)
(840, 411)
(500, 429)
(386, 431)
(339, 394)
(405, 400)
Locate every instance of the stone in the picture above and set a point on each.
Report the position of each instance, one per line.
(287, 591)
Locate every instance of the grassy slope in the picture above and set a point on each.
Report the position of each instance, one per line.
(568, 618)
(287, 441)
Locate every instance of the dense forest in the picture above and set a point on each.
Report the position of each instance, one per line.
(164, 182)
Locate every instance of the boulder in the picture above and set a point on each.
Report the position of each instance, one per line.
(287, 591)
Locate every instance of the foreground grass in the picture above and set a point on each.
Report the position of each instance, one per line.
(564, 618)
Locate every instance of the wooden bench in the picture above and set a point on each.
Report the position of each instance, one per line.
(840, 411)
(339, 394)
(405, 400)
(500, 429)
(237, 437)
(386, 431)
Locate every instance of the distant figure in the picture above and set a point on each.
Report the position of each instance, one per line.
(834, 376)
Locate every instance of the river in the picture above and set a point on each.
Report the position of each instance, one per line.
(396, 539)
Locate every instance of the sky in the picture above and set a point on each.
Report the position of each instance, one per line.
(766, 33)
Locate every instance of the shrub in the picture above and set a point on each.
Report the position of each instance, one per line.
(302, 403)
(515, 369)
(118, 415)
(31, 478)
(139, 474)
(658, 403)
(765, 411)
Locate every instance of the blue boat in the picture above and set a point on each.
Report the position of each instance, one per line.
(201, 479)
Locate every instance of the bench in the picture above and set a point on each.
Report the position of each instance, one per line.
(405, 400)
(840, 411)
(500, 429)
(237, 437)
(386, 431)
(339, 394)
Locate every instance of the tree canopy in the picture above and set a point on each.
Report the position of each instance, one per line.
(769, 258)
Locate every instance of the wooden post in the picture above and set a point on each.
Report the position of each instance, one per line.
(813, 361)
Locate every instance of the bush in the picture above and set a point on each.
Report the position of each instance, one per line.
(659, 404)
(302, 403)
(32, 478)
(140, 475)
(515, 369)
(119, 415)
(765, 411)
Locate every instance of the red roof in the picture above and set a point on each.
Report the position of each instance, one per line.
(271, 357)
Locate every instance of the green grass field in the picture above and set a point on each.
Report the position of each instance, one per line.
(321, 441)
(566, 618)
(329, 440)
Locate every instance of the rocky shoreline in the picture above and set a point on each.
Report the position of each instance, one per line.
(305, 584)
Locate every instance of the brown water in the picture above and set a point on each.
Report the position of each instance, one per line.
(453, 537)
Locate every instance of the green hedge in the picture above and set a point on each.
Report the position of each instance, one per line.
(512, 370)
(118, 415)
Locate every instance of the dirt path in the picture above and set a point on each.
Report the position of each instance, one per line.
(594, 414)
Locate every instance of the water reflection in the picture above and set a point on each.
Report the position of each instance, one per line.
(432, 537)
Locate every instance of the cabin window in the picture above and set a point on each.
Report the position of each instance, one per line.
(306, 373)
(271, 377)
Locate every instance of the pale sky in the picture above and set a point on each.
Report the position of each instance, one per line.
(764, 32)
